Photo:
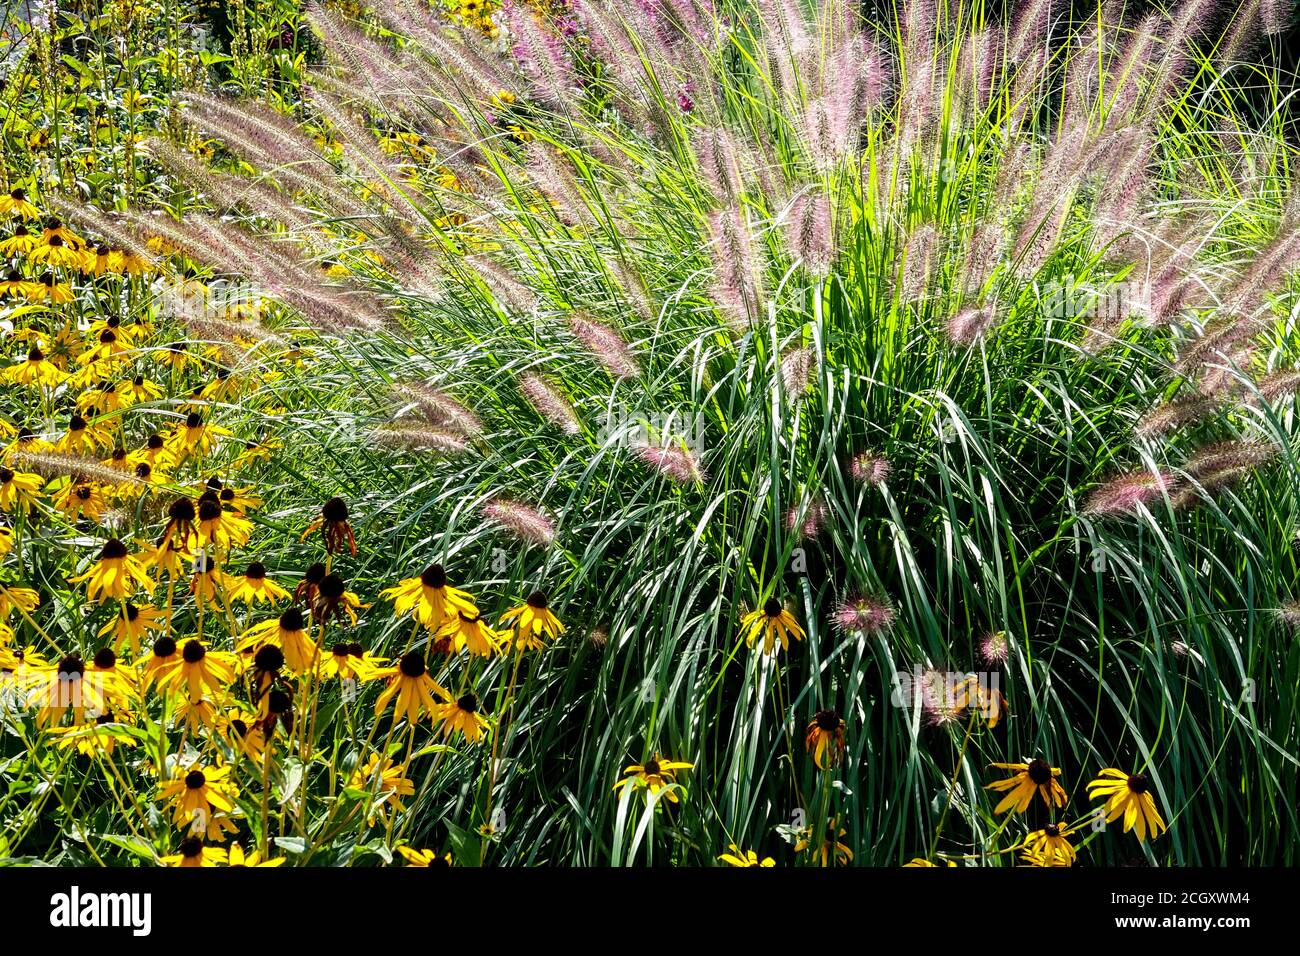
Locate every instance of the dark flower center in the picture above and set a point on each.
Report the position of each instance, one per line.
(291, 620)
(193, 652)
(356, 650)
(154, 443)
(1052, 830)
(334, 510)
(772, 607)
(412, 664)
(315, 574)
(1138, 783)
(468, 703)
(278, 702)
(191, 847)
(71, 665)
(209, 510)
(113, 549)
(105, 658)
(130, 611)
(827, 719)
(1040, 772)
(256, 571)
(164, 647)
(143, 470)
(6, 476)
(195, 779)
(332, 587)
(268, 659)
(182, 509)
(651, 768)
(193, 420)
(83, 492)
(239, 727)
(434, 576)
(537, 600)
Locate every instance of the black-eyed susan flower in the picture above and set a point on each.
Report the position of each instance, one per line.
(654, 775)
(920, 862)
(132, 624)
(18, 490)
(163, 655)
(429, 599)
(239, 859)
(310, 583)
(830, 850)
(201, 799)
(1128, 795)
(115, 576)
(15, 285)
(532, 621)
(36, 370)
(81, 499)
(427, 858)
(62, 689)
(192, 852)
(208, 582)
(48, 288)
(198, 668)
(350, 661)
(180, 524)
(773, 622)
(825, 738)
(102, 736)
(333, 599)
(387, 783)
(23, 600)
(745, 858)
(82, 437)
(55, 252)
(194, 436)
(196, 714)
(241, 733)
(134, 391)
(1037, 776)
(19, 244)
(219, 527)
(16, 203)
(1048, 847)
(415, 691)
(462, 714)
(334, 526)
(288, 632)
(470, 632)
(254, 586)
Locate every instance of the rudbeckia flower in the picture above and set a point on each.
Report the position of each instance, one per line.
(825, 738)
(429, 599)
(18, 489)
(165, 654)
(208, 582)
(116, 574)
(333, 524)
(532, 620)
(1128, 795)
(745, 858)
(192, 852)
(133, 391)
(201, 797)
(196, 714)
(238, 858)
(655, 774)
(462, 714)
(415, 691)
(470, 632)
(1048, 847)
(17, 599)
(1037, 776)
(386, 782)
(47, 287)
(922, 862)
(429, 858)
(350, 662)
(17, 203)
(116, 685)
(132, 625)
(82, 436)
(55, 252)
(61, 689)
(100, 737)
(253, 586)
(197, 668)
(80, 499)
(333, 599)
(15, 284)
(221, 528)
(773, 621)
(195, 437)
(19, 244)
(830, 849)
(180, 524)
(289, 633)
(34, 370)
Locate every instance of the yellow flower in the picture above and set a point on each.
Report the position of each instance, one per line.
(829, 850)
(469, 631)
(221, 528)
(18, 489)
(429, 858)
(415, 691)
(429, 599)
(34, 370)
(1128, 795)
(18, 204)
(386, 782)
(192, 852)
(253, 586)
(745, 858)
(80, 500)
(61, 689)
(825, 738)
(238, 858)
(197, 668)
(17, 599)
(532, 620)
(287, 632)
(773, 621)
(1048, 847)
(462, 715)
(920, 861)
(655, 774)
(1037, 776)
(116, 574)
(202, 798)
